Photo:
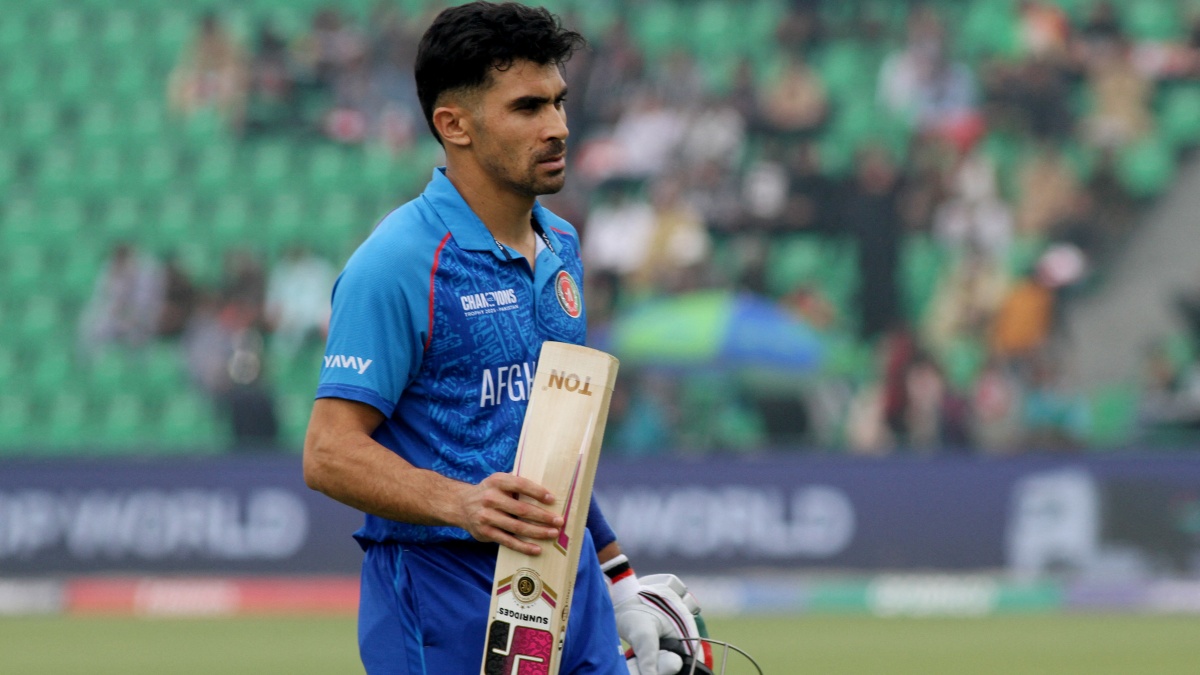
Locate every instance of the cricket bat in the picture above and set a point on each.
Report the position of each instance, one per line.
(559, 448)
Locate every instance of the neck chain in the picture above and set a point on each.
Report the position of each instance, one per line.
(536, 228)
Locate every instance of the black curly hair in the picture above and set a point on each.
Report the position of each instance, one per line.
(465, 43)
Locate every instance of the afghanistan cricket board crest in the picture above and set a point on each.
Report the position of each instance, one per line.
(568, 294)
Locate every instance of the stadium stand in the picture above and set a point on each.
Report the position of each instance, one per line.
(294, 125)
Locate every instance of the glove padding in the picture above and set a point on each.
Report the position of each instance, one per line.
(655, 621)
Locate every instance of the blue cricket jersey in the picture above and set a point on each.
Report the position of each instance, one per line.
(439, 327)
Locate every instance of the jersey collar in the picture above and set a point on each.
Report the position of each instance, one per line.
(468, 230)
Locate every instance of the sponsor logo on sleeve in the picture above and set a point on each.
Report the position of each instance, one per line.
(355, 363)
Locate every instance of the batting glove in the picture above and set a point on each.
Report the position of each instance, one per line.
(654, 616)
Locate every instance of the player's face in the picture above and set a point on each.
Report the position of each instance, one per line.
(521, 129)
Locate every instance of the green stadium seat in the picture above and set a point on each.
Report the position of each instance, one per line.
(53, 370)
(921, 268)
(714, 27)
(9, 176)
(15, 34)
(16, 423)
(847, 70)
(793, 263)
(962, 361)
(155, 171)
(1146, 168)
(328, 170)
(58, 173)
(216, 168)
(65, 218)
(23, 82)
(146, 124)
(123, 424)
(123, 219)
(270, 167)
(37, 123)
(1152, 20)
(9, 372)
(1112, 416)
(41, 321)
(231, 223)
(101, 125)
(162, 371)
(80, 266)
(120, 31)
(173, 221)
(65, 29)
(187, 423)
(111, 371)
(990, 28)
(69, 424)
(1179, 120)
(20, 223)
(106, 173)
(75, 82)
(287, 221)
(173, 31)
(25, 266)
(657, 27)
(293, 411)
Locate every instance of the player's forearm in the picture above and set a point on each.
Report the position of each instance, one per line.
(355, 470)
(608, 552)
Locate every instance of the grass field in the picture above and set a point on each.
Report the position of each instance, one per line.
(1053, 645)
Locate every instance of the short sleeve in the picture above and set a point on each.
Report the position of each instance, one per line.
(597, 524)
(374, 347)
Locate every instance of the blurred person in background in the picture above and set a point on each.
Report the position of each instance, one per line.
(1121, 98)
(271, 104)
(327, 48)
(1170, 390)
(126, 305)
(678, 245)
(973, 216)
(213, 73)
(224, 349)
(297, 300)
(1021, 326)
(871, 208)
(180, 298)
(1047, 191)
(965, 302)
(793, 105)
(921, 84)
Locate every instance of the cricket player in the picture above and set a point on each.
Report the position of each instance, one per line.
(437, 322)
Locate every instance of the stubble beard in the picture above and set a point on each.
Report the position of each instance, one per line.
(531, 181)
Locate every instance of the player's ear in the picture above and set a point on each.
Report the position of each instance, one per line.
(452, 124)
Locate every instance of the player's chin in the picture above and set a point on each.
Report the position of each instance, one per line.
(548, 185)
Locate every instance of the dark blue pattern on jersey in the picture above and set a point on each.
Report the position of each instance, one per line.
(456, 406)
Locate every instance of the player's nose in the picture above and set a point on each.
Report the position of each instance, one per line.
(556, 126)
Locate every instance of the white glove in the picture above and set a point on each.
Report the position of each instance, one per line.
(648, 610)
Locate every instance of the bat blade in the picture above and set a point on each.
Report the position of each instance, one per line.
(559, 448)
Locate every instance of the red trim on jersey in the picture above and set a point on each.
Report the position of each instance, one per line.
(437, 255)
(563, 232)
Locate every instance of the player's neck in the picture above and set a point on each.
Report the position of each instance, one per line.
(505, 214)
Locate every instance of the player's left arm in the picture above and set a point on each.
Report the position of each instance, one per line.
(651, 613)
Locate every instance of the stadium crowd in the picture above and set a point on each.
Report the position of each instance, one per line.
(927, 199)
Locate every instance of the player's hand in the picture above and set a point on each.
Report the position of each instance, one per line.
(492, 511)
(661, 612)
